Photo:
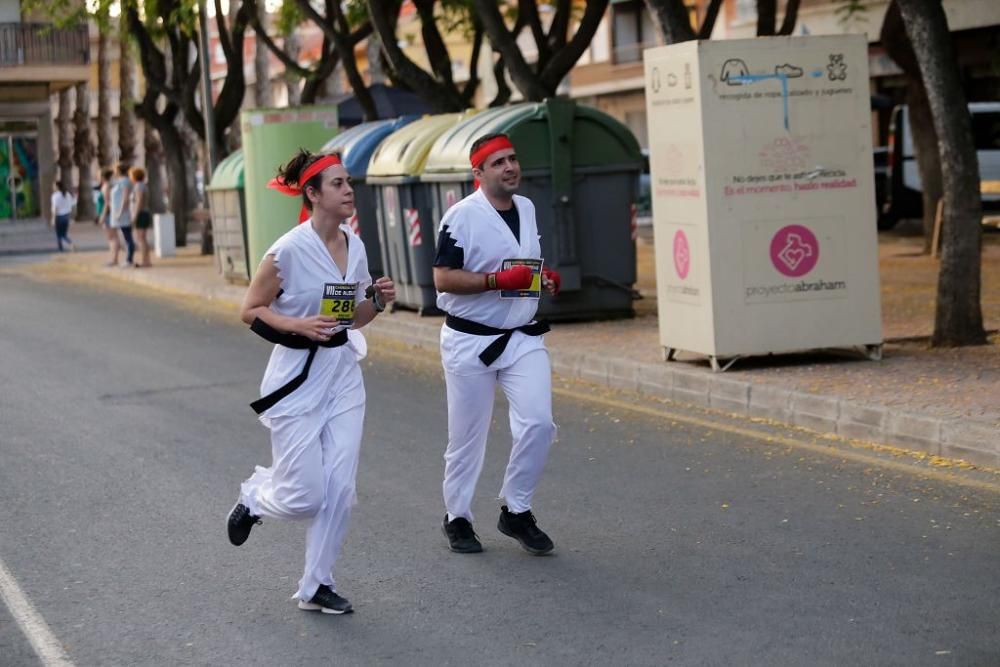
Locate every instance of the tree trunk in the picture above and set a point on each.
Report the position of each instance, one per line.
(345, 48)
(127, 127)
(193, 154)
(897, 45)
(177, 177)
(154, 168)
(503, 90)
(791, 17)
(105, 140)
(262, 66)
(83, 151)
(958, 315)
(767, 17)
(293, 83)
(64, 122)
(225, 108)
(538, 85)
(438, 96)
(163, 122)
(672, 18)
(376, 72)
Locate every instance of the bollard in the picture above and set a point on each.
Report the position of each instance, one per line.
(163, 234)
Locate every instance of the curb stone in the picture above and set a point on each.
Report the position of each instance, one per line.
(703, 389)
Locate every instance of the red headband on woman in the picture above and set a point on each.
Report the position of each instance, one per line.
(316, 167)
(487, 149)
(294, 190)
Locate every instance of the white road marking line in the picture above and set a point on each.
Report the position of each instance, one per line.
(34, 627)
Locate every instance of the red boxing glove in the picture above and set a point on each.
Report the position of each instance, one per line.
(516, 277)
(553, 276)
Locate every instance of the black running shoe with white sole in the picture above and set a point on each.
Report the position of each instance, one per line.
(461, 538)
(327, 601)
(523, 529)
(240, 523)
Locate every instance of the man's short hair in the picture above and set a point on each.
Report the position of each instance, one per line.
(480, 141)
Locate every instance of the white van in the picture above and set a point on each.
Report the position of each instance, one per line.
(903, 194)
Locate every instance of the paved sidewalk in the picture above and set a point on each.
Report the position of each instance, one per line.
(941, 402)
(36, 236)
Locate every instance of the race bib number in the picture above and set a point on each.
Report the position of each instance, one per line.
(338, 302)
(535, 290)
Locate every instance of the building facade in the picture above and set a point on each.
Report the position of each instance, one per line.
(609, 76)
(37, 60)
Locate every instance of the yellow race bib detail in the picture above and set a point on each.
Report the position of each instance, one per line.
(339, 301)
(535, 290)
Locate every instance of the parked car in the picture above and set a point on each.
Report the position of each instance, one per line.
(903, 194)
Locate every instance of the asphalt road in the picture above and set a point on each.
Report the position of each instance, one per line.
(125, 432)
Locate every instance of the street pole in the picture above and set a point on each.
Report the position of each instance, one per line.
(211, 153)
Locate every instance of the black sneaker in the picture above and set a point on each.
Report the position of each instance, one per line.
(327, 602)
(523, 529)
(461, 538)
(240, 523)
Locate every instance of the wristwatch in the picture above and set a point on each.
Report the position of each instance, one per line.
(372, 293)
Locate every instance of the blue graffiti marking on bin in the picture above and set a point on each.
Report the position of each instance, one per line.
(782, 73)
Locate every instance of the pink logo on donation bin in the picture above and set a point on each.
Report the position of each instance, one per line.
(794, 251)
(682, 255)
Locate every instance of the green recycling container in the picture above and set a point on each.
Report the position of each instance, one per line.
(227, 203)
(270, 138)
(581, 169)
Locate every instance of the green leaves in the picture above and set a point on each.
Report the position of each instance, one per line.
(288, 18)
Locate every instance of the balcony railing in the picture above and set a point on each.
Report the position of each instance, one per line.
(43, 44)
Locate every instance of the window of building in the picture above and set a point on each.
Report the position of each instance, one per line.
(599, 50)
(632, 31)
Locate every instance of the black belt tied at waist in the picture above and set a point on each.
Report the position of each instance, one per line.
(295, 342)
(496, 348)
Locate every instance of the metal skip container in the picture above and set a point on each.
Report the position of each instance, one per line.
(405, 209)
(356, 147)
(581, 169)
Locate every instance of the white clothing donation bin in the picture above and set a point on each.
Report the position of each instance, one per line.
(763, 196)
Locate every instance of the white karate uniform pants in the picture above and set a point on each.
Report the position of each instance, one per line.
(312, 476)
(527, 383)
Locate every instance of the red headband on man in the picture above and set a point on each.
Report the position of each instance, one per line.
(489, 148)
(294, 190)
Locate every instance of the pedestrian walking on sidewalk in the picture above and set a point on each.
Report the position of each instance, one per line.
(309, 296)
(63, 203)
(142, 218)
(121, 213)
(104, 216)
(488, 273)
